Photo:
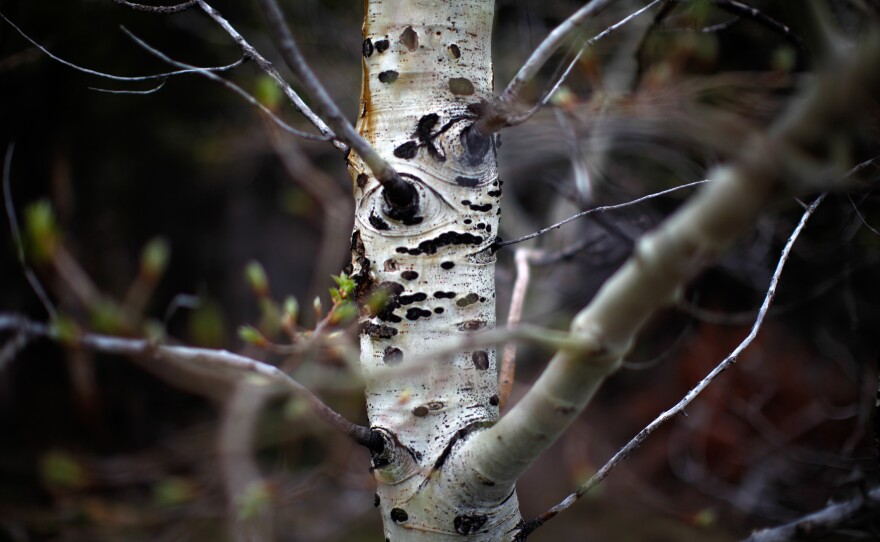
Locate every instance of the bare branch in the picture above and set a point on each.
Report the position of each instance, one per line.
(89, 71)
(345, 131)
(741, 9)
(16, 236)
(517, 301)
(679, 407)
(834, 516)
(668, 257)
(148, 91)
(177, 8)
(228, 84)
(589, 43)
(601, 209)
(270, 70)
(503, 113)
(874, 230)
(220, 359)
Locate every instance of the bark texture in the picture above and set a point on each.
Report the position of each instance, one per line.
(424, 265)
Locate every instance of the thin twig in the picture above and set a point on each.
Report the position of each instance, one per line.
(589, 43)
(228, 84)
(190, 355)
(745, 10)
(599, 210)
(166, 75)
(832, 517)
(862, 217)
(731, 359)
(503, 112)
(177, 8)
(16, 236)
(270, 70)
(545, 50)
(508, 358)
(114, 91)
(345, 131)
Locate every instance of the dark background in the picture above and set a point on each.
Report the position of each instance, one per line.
(100, 448)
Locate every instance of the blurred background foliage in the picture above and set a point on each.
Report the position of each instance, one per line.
(154, 196)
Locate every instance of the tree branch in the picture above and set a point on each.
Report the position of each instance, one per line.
(166, 75)
(666, 259)
(834, 516)
(517, 301)
(503, 113)
(228, 84)
(200, 356)
(177, 8)
(679, 407)
(16, 236)
(601, 209)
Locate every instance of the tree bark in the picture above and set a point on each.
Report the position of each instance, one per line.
(425, 268)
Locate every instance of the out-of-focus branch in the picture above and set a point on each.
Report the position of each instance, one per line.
(517, 301)
(219, 359)
(504, 110)
(16, 236)
(679, 407)
(833, 517)
(795, 155)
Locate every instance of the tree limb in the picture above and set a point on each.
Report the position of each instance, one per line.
(679, 407)
(220, 359)
(666, 259)
(834, 516)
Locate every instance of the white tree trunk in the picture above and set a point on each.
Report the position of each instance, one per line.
(427, 68)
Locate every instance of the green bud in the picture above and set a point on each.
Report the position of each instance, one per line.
(345, 285)
(154, 258)
(41, 229)
(65, 330)
(318, 307)
(343, 313)
(270, 317)
(291, 308)
(60, 470)
(256, 498)
(107, 317)
(267, 92)
(174, 491)
(256, 278)
(251, 336)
